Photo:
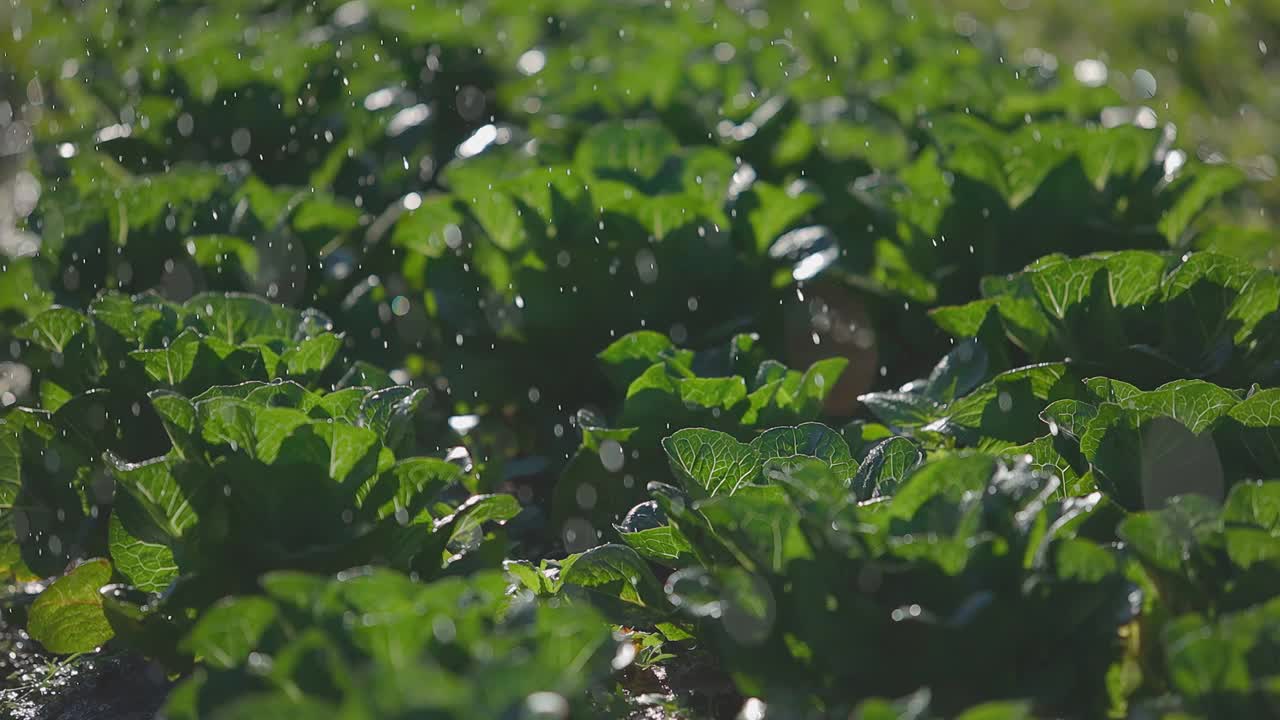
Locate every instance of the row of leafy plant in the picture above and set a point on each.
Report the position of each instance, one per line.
(794, 557)
(518, 235)
(529, 446)
(1070, 558)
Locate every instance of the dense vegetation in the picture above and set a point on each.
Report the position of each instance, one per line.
(558, 358)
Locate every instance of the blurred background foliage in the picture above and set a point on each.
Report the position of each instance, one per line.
(1214, 63)
(378, 159)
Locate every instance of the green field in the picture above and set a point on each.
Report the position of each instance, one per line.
(639, 359)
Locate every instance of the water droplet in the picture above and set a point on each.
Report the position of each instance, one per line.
(612, 456)
(1090, 72)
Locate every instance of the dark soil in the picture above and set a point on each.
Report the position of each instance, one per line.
(35, 685)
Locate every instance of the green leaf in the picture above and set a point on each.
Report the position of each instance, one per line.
(500, 215)
(427, 228)
(215, 252)
(614, 569)
(53, 396)
(153, 485)
(974, 149)
(148, 566)
(235, 318)
(710, 462)
(43, 477)
(1008, 407)
(595, 431)
(963, 321)
(811, 484)
(638, 149)
(1258, 417)
(524, 574)
(349, 450)
(227, 420)
(1044, 455)
(860, 435)
(1156, 444)
(1124, 151)
(55, 328)
(630, 355)
(171, 365)
(324, 211)
(880, 709)
(1197, 404)
(810, 439)
(653, 397)
(723, 394)
(343, 405)
(1082, 561)
(21, 288)
(1252, 519)
(68, 617)
(156, 507)
(312, 355)
(227, 632)
(178, 415)
(1003, 710)
(363, 374)
(1256, 303)
(479, 510)
(1108, 390)
(969, 363)
(1248, 547)
(1069, 417)
(1166, 539)
(1254, 504)
(950, 476)
(664, 544)
(1128, 278)
(1128, 312)
(1196, 189)
(816, 384)
(1221, 663)
(759, 523)
(885, 467)
(776, 210)
(10, 465)
(901, 410)
(280, 394)
(418, 482)
(263, 705)
(389, 412)
(1198, 298)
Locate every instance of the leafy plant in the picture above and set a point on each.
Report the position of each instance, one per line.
(1141, 316)
(799, 582)
(735, 389)
(452, 648)
(1187, 436)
